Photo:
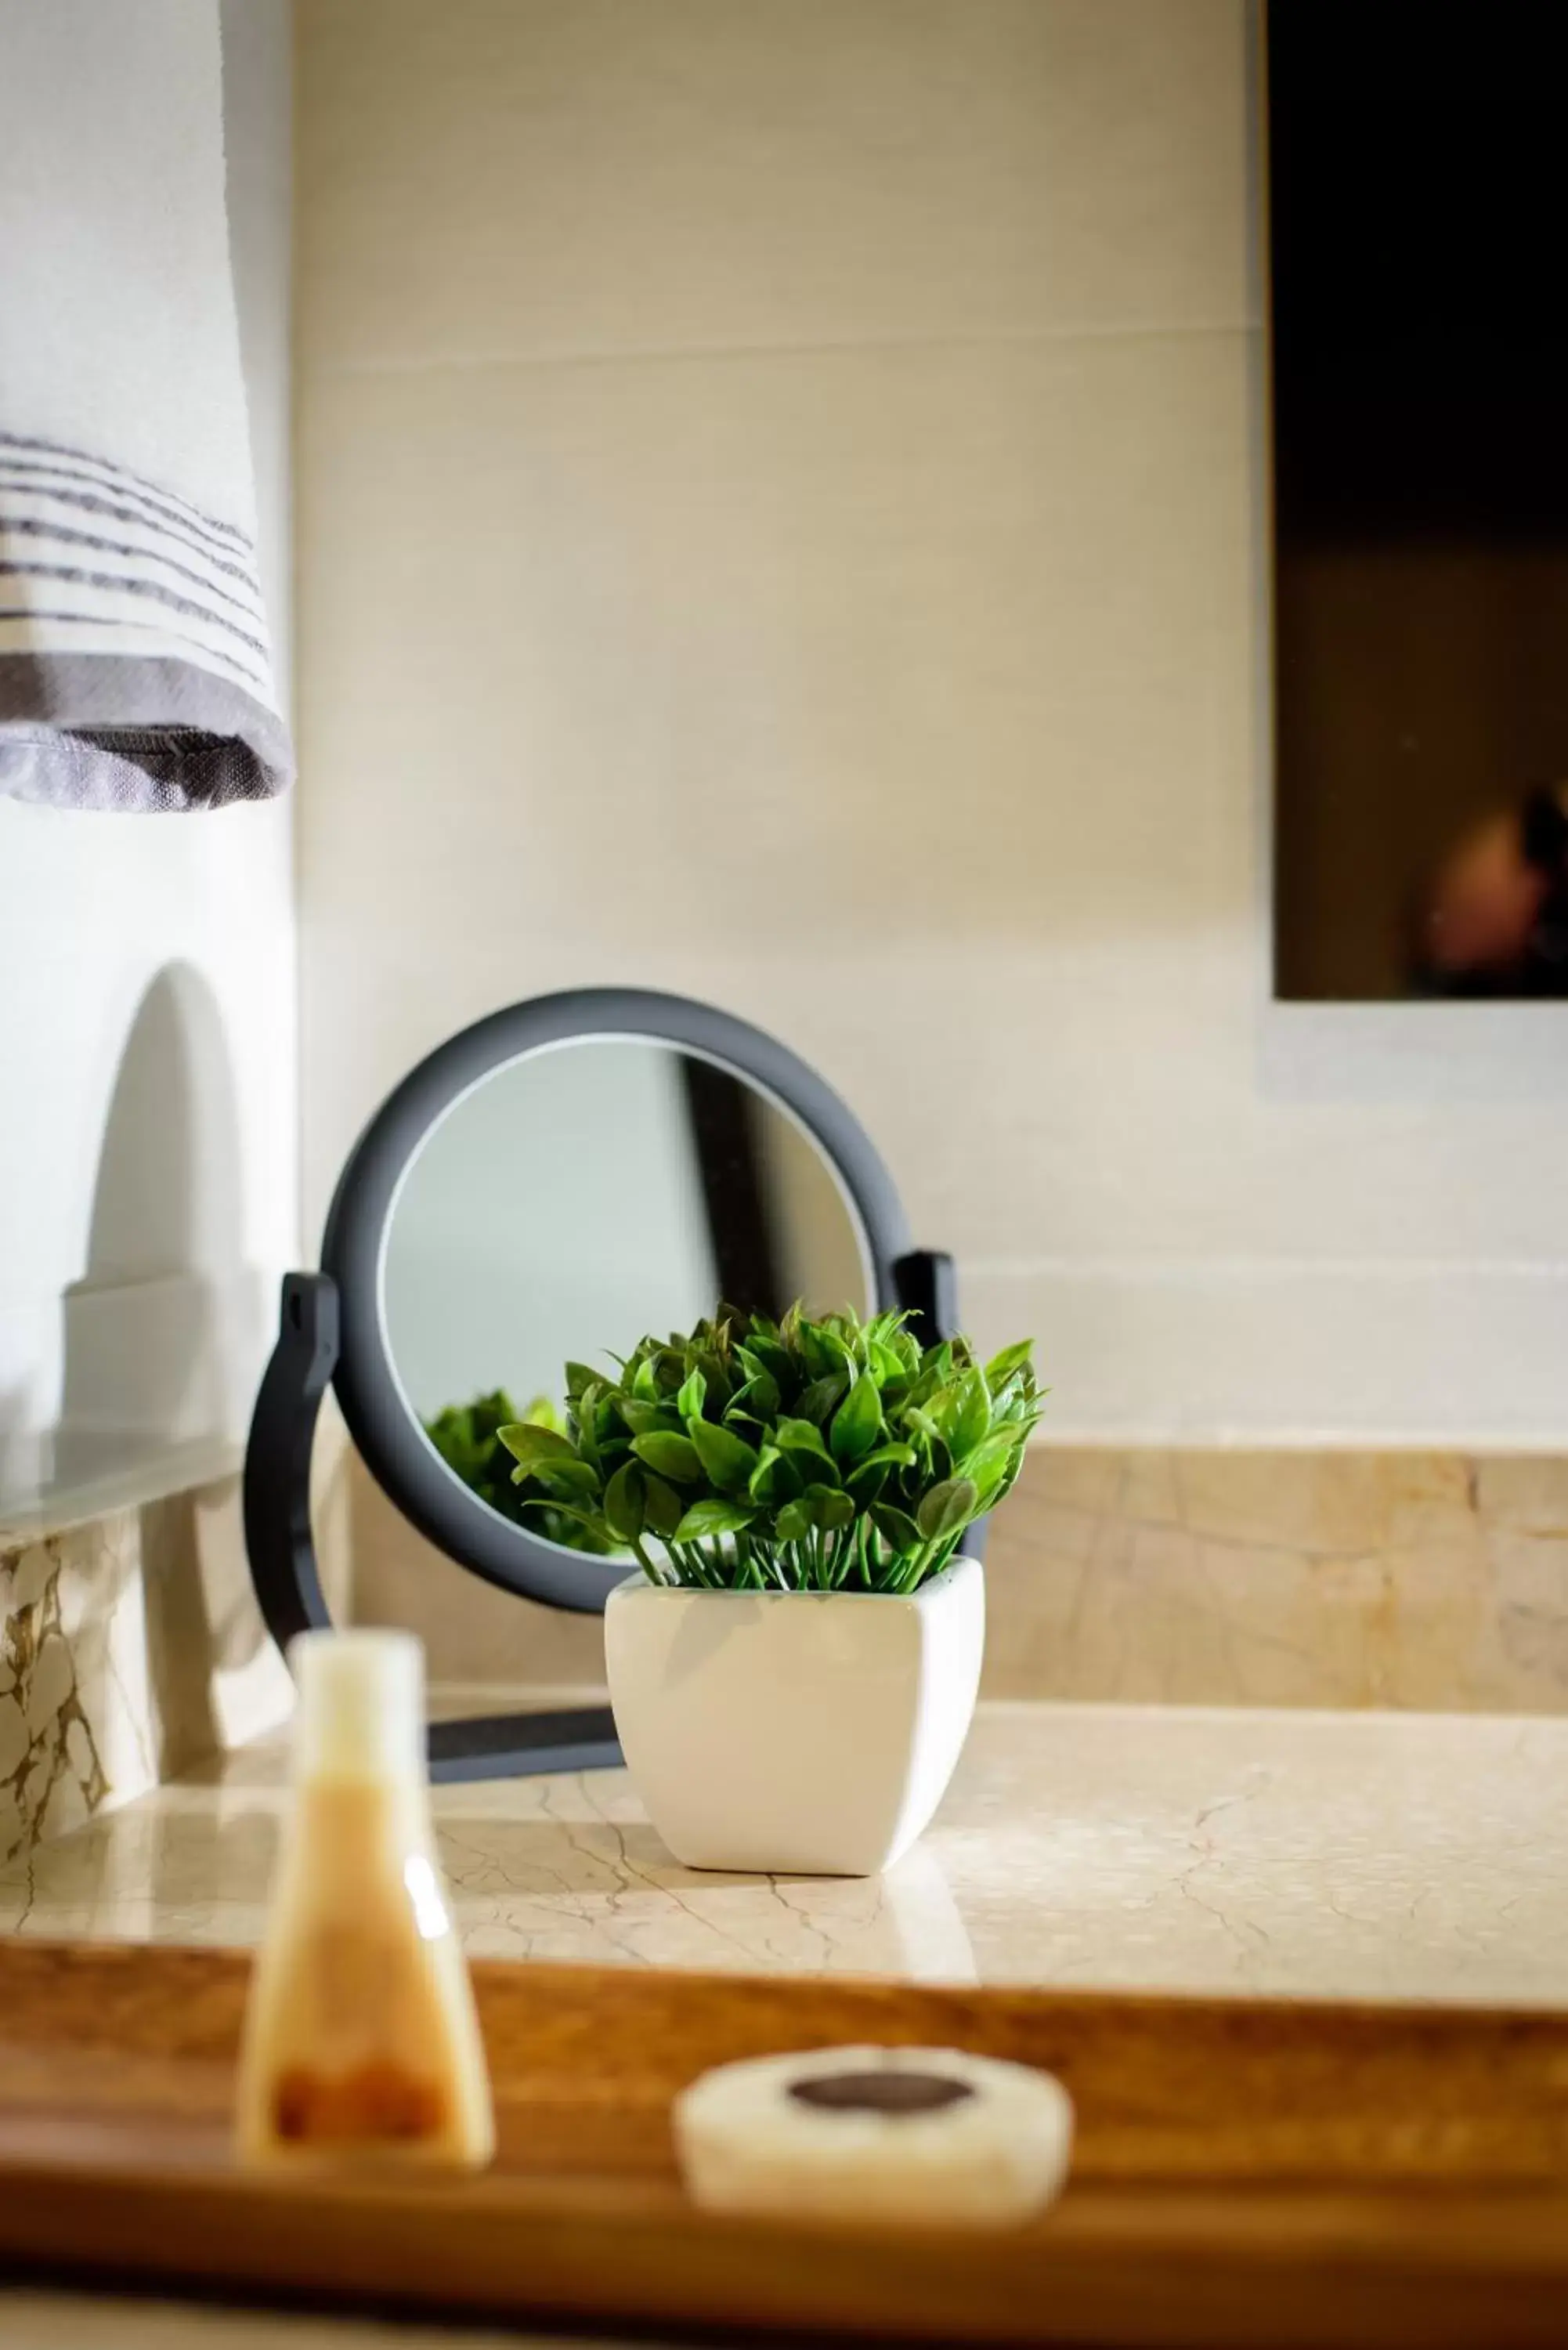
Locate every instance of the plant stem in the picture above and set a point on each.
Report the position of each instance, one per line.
(692, 1565)
(647, 1565)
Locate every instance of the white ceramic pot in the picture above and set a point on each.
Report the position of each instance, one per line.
(794, 1733)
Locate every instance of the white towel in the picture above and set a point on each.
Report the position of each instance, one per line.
(134, 665)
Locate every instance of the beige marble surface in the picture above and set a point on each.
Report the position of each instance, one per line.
(1361, 1855)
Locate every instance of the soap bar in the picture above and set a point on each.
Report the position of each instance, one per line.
(361, 2039)
(884, 2133)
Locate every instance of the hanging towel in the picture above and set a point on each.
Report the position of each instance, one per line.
(134, 664)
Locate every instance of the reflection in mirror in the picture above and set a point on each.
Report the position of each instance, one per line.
(576, 1199)
(1414, 214)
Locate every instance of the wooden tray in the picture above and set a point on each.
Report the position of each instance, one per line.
(1246, 2172)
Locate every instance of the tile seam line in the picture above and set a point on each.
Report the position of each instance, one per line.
(1471, 1441)
(688, 354)
(1249, 1268)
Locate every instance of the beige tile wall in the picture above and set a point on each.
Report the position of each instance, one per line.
(779, 456)
(777, 519)
(1402, 1579)
(634, 178)
(1407, 1580)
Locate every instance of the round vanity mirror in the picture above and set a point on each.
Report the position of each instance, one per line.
(550, 1186)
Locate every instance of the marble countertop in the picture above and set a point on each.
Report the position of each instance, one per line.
(1354, 1855)
(1340, 1855)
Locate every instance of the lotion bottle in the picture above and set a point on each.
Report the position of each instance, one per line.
(361, 2039)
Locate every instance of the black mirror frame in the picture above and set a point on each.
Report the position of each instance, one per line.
(331, 1330)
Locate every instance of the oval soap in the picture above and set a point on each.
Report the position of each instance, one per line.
(885, 2134)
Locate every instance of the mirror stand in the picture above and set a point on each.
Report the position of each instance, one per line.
(287, 1579)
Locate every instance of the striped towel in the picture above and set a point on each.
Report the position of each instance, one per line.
(134, 663)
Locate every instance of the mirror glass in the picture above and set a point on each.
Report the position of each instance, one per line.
(576, 1199)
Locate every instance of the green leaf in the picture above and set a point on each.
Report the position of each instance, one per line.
(662, 1506)
(1002, 1444)
(915, 1415)
(819, 1401)
(936, 1461)
(531, 1444)
(896, 1526)
(869, 1474)
(644, 1386)
(671, 1456)
(642, 1417)
(866, 1484)
(585, 1423)
(896, 1456)
(794, 1520)
(1005, 1366)
(625, 1503)
(694, 1394)
(818, 1351)
(991, 1466)
(829, 1509)
(946, 1508)
(775, 1478)
(579, 1376)
(759, 1394)
(728, 1458)
(970, 1419)
(857, 1422)
(713, 1517)
(764, 1348)
(1007, 1482)
(569, 1478)
(801, 1436)
(556, 1510)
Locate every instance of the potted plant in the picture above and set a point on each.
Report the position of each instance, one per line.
(794, 1667)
